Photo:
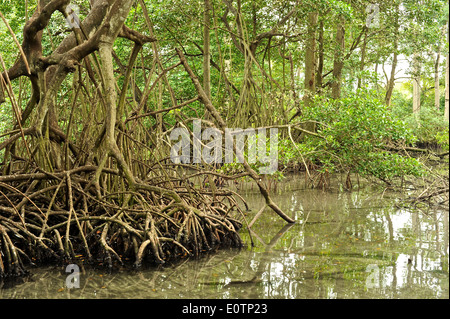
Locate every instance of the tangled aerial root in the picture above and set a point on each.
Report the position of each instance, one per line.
(62, 216)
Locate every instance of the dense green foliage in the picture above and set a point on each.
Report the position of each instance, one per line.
(428, 125)
(358, 131)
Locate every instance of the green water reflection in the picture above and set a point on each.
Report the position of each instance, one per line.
(344, 245)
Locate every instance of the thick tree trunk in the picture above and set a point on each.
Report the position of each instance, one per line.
(310, 59)
(338, 59)
(116, 17)
(362, 61)
(320, 58)
(437, 94)
(391, 83)
(416, 84)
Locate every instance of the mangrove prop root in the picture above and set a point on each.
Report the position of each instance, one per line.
(63, 220)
